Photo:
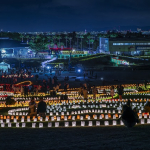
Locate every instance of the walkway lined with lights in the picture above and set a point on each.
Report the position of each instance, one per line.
(75, 112)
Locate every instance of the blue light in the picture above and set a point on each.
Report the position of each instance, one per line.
(48, 67)
(79, 70)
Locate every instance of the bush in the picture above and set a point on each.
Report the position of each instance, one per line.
(10, 101)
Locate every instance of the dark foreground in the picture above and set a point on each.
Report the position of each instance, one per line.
(76, 138)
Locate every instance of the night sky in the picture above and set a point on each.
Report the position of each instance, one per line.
(73, 15)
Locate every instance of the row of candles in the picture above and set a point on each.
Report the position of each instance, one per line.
(55, 102)
(70, 124)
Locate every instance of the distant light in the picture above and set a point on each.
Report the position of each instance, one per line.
(48, 67)
(3, 51)
(102, 79)
(79, 70)
(73, 50)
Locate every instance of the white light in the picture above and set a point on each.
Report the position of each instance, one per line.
(81, 117)
(100, 117)
(106, 123)
(49, 124)
(51, 114)
(90, 123)
(7, 120)
(40, 125)
(79, 70)
(106, 116)
(148, 120)
(46, 119)
(28, 119)
(23, 125)
(114, 122)
(41, 118)
(35, 119)
(73, 117)
(22, 119)
(82, 123)
(114, 116)
(66, 124)
(121, 122)
(58, 118)
(33, 125)
(3, 51)
(142, 121)
(15, 120)
(17, 124)
(2, 124)
(74, 123)
(9, 124)
(97, 123)
(140, 116)
(95, 117)
(56, 124)
(65, 118)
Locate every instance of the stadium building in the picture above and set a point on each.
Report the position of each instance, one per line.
(125, 46)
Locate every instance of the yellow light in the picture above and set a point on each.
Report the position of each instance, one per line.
(24, 82)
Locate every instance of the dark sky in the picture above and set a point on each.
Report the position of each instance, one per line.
(72, 15)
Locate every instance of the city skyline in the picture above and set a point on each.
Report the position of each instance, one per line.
(69, 15)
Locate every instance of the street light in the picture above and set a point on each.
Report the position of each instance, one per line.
(3, 51)
(79, 70)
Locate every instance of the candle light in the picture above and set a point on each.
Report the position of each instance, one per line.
(17, 124)
(97, 123)
(23, 125)
(66, 124)
(2, 124)
(9, 124)
(73, 123)
(114, 122)
(106, 123)
(90, 123)
(56, 124)
(33, 125)
(82, 123)
(40, 125)
(49, 124)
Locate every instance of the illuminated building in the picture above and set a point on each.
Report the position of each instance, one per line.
(125, 46)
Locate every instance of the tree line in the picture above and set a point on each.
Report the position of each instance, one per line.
(71, 40)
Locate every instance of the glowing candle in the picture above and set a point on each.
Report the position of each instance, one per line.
(82, 123)
(40, 125)
(90, 123)
(106, 123)
(9, 124)
(114, 122)
(97, 123)
(66, 124)
(73, 123)
(56, 124)
(33, 125)
(142, 121)
(23, 125)
(17, 124)
(2, 124)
